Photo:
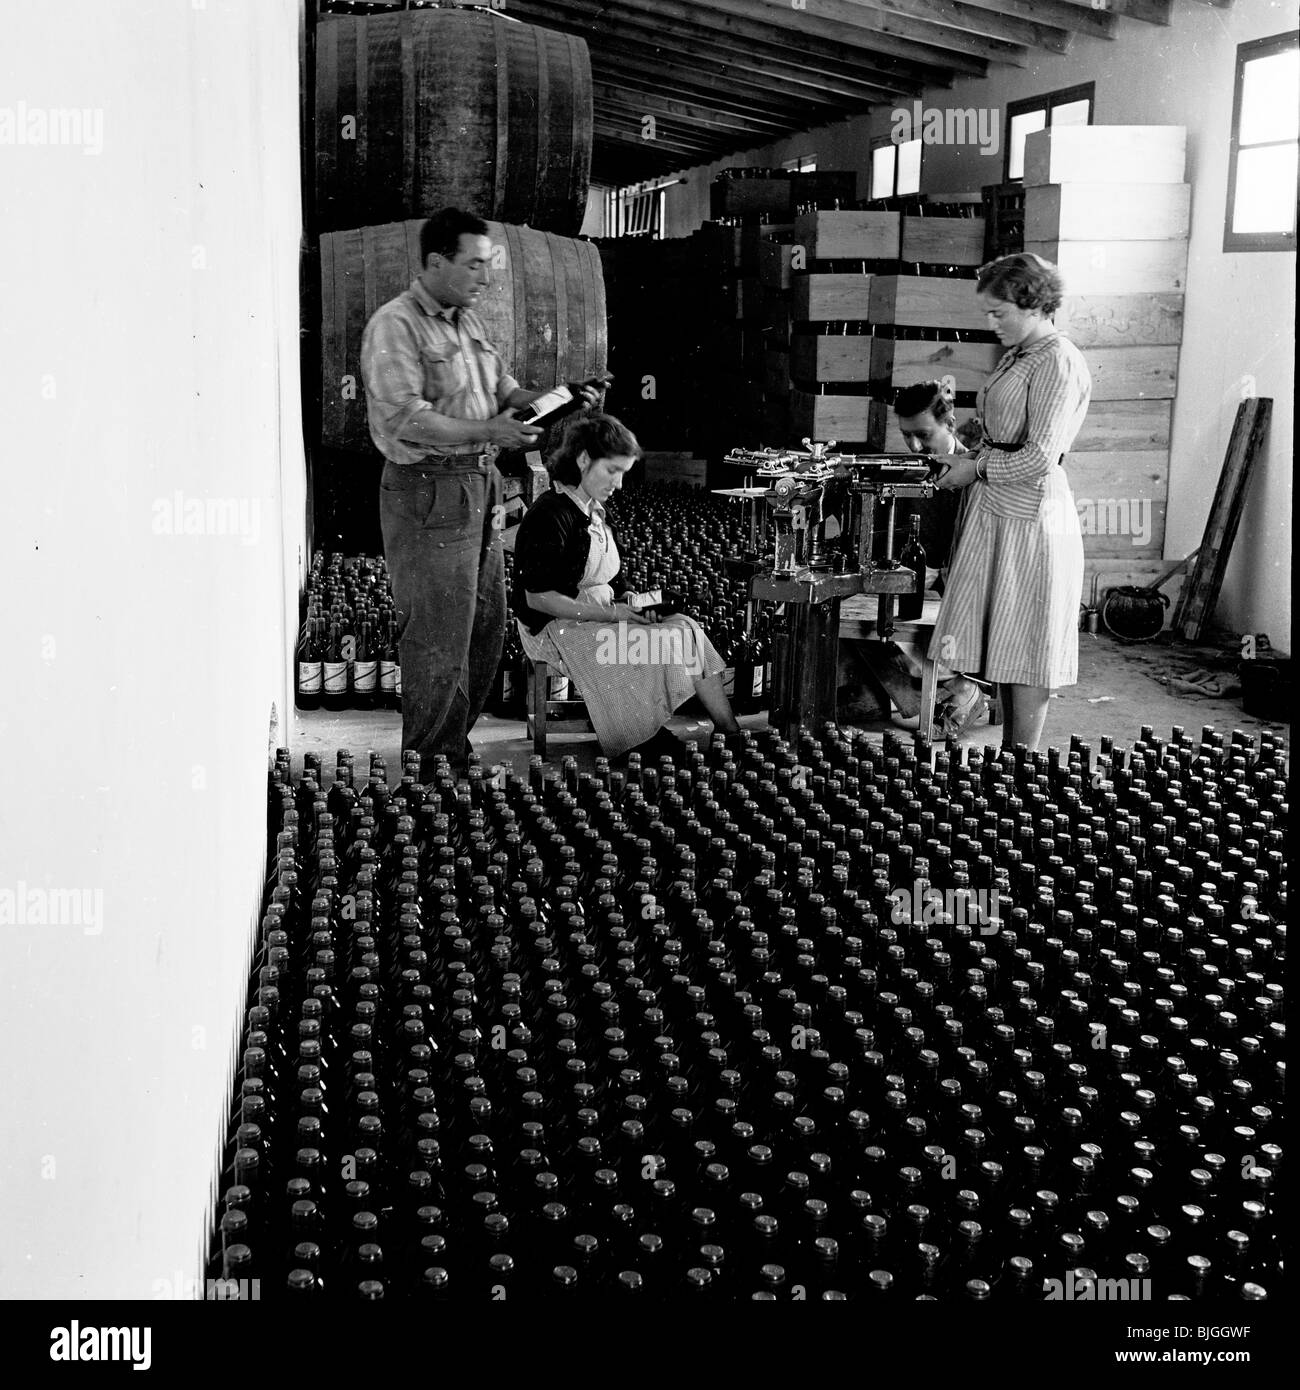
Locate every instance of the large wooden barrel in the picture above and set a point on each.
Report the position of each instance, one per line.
(425, 109)
(544, 310)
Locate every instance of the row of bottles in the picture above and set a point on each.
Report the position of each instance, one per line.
(347, 656)
(832, 1018)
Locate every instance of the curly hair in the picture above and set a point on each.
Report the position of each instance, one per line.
(1025, 280)
(600, 436)
(933, 396)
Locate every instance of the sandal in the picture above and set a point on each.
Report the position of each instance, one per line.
(951, 720)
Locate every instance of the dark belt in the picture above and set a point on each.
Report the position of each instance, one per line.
(479, 459)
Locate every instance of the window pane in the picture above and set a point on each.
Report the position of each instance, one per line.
(909, 167)
(1266, 190)
(1270, 98)
(1072, 113)
(1024, 124)
(882, 172)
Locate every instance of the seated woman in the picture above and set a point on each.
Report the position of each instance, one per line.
(632, 671)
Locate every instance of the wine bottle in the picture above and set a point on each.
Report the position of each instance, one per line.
(911, 603)
(310, 656)
(558, 402)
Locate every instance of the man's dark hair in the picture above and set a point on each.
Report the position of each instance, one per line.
(932, 396)
(441, 234)
(600, 436)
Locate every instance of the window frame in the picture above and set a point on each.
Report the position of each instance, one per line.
(888, 143)
(1253, 241)
(1047, 103)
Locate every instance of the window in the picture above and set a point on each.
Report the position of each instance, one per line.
(1073, 106)
(896, 169)
(1261, 210)
(635, 211)
(805, 164)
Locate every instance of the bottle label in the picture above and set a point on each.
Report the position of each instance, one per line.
(759, 681)
(397, 680)
(388, 677)
(365, 676)
(729, 681)
(336, 677)
(310, 677)
(651, 599)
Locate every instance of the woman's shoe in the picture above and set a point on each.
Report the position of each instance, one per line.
(956, 718)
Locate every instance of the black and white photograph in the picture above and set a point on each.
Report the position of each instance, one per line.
(648, 667)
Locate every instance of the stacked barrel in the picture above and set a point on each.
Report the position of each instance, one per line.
(1108, 204)
(420, 110)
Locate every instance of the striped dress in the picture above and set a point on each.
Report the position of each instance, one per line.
(1010, 608)
(632, 676)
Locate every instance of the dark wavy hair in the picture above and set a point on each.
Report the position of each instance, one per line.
(1025, 280)
(600, 436)
(441, 234)
(932, 396)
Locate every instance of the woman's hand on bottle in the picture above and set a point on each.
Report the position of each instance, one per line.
(960, 473)
(624, 612)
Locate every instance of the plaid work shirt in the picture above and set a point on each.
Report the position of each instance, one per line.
(417, 354)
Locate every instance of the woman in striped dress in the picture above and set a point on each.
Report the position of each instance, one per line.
(1010, 611)
(631, 670)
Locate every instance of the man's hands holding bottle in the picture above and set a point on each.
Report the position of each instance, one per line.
(506, 431)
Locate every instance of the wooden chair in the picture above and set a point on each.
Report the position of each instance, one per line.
(568, 716)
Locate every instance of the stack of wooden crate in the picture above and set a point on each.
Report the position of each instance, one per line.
(1108, 205)
(910, 315)
(830, 346)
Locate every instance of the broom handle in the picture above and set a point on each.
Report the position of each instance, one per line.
(1171, 571)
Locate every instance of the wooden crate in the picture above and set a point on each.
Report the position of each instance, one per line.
(1124, 427)
(749, 298)
(1117, 267)
(666, 467)
(777, 315)
(892, 439)
(943, 240)
(1106, 154)
(1107, 211)
(839, 357)
(755, 236)
(776, 426)
(847, 419)
(774, 268)
(1132, 373)
(750, 197)
(900, 363)
(1122, 320)
(849, 236)
(1121, 500)
(925, 301)
(819, 297)
(776, 373)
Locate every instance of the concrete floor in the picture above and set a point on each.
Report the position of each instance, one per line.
(1119, 690)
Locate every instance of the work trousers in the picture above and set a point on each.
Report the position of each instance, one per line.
(442, 542)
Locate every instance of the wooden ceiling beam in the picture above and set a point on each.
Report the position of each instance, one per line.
(971, 19)
(632, 26)
(1061, 14)
(646, 102)
(798, 113)
(742, 31)
(847, 22)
